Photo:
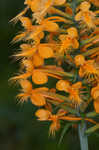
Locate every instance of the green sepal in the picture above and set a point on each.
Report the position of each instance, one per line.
(92, 129)
(65, 129)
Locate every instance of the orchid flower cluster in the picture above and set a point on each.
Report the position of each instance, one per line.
(59, 43)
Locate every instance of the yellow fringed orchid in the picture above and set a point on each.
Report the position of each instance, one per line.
(85, 15)
(95, 95)
(88, 69)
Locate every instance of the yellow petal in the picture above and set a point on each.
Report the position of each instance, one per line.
(37, 99)
(43, 114)
(45, 52)
(39, 77)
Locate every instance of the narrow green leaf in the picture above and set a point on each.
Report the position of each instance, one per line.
(71, 110)
(92, 129)
(91, 114)
(64, 131)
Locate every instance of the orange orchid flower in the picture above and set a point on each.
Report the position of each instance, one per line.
(38, 51)
(73, 90)
(69, 40)
(40, 76)
(46, 115)
(35, 32)
(41, 7)
(88, 69)
(85, 15)
(34, 94)
(95, 95)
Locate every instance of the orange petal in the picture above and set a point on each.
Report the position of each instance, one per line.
(62, 85)
(84, 6)
(19, 37)
(96, 105)
(45, 52)
(41, 89)
(21, 76)
(51, 26)
(77, 85)
(43, 114)
(59, 2)
(26, 22)
(39, 77)
(75, 43)
(69, 10)
(78, 16)
(72, 32)
(69, 118)
(23, 97)
(35, 5)
(95, 92)
(79, 60)
(37, 60)
(25, 47)
(26, 53)
(26, 85)
(15, 19)
(27, 64)
(37, 99)
(55, 126)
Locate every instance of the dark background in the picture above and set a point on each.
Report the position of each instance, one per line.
(19, 130)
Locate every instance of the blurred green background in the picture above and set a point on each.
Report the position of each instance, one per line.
(19, 130)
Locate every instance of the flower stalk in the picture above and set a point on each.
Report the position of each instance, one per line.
(82, 137)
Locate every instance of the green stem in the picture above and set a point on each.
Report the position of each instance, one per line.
(82, 136)
(61, 13)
